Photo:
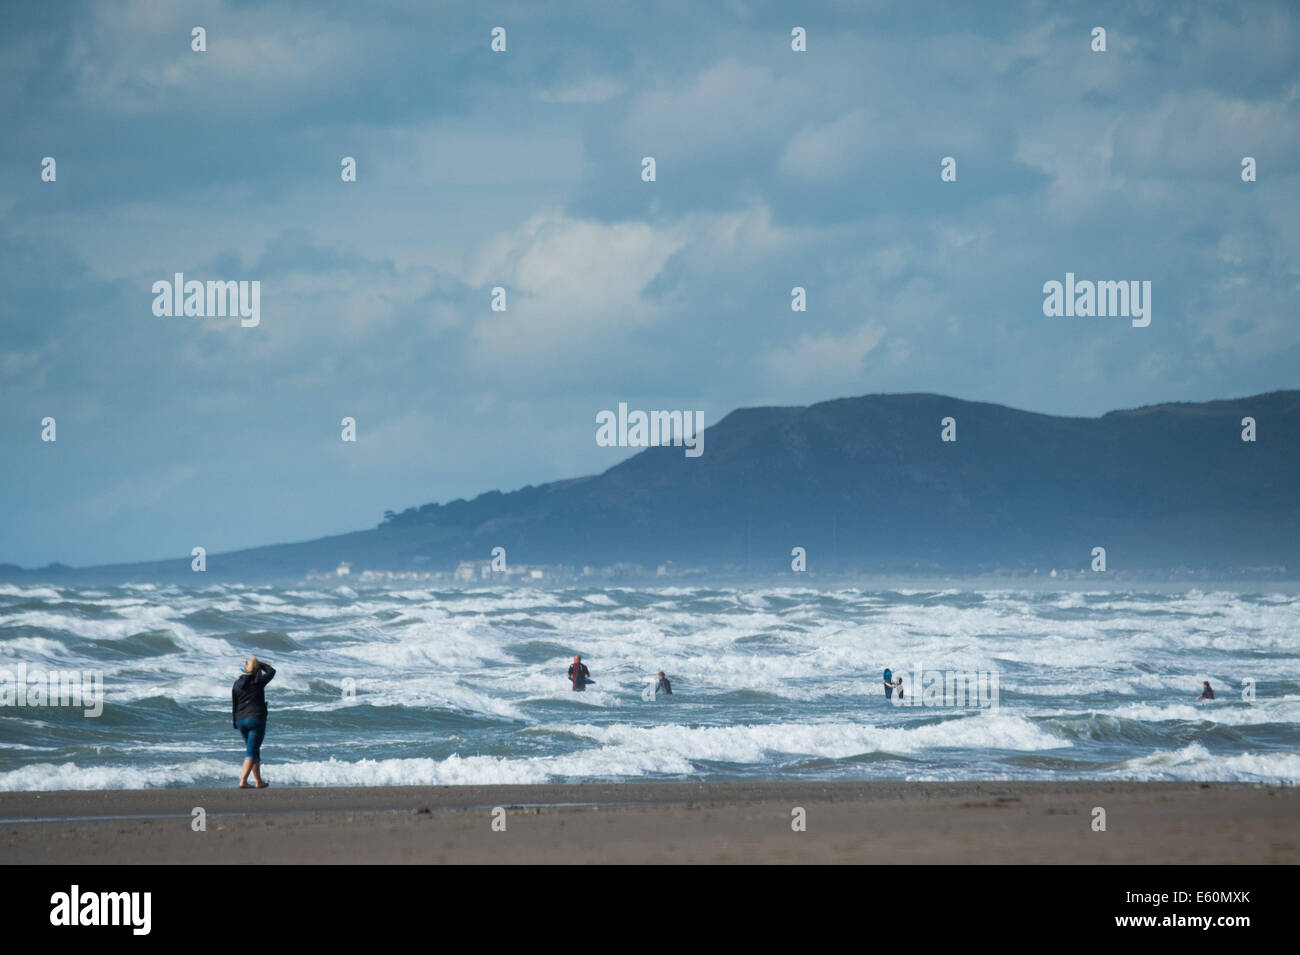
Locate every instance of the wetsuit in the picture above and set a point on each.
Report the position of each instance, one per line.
(663, 686)
(579, 679)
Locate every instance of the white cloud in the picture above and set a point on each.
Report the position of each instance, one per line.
(746, 237)
(567, 281)
(831, 150)
(439, 156)
(135, 57)
(725, 109)
(827, 360)
(594, 89)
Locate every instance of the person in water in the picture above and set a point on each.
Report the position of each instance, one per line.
(663, 686)
(1207, 692)
(578, 674)
(898, 685)
(248, 714)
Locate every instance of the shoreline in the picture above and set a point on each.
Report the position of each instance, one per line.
(1160, 823)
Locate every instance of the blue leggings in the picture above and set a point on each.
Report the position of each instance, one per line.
(254, 730)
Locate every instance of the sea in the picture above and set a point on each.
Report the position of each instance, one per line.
(378, 685)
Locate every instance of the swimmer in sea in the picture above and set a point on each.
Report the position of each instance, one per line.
(1207, 692)
(578, 674)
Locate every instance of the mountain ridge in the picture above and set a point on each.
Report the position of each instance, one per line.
(866, 484)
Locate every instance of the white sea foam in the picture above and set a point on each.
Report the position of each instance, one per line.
(1195, 762)
(764, 678)
(1228, 712)
(140, 620)
(832, 740)
(30, 593)
(46, 776)
(32, 650)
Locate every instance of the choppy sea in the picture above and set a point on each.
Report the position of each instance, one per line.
(382, 686)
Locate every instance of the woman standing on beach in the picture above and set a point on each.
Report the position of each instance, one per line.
(248, 714)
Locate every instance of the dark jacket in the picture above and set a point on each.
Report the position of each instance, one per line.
(579, 679)
(248, 698)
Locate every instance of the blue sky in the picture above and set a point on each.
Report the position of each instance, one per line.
(522, 169)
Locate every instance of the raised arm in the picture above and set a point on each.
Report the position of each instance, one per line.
(265, 675)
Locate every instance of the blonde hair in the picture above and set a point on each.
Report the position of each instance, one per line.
(251, 665)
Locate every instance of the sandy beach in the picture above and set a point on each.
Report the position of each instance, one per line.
(664, 822)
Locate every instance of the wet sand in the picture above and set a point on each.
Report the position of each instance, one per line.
(662, 822)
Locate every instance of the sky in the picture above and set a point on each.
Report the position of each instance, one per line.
(522, 169)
